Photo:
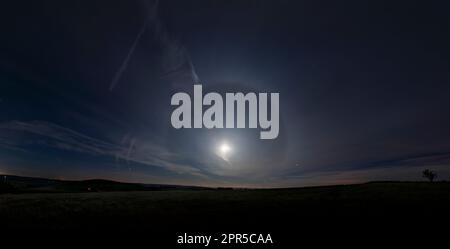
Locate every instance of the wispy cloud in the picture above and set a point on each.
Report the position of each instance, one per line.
(407, 168)
(19, 135)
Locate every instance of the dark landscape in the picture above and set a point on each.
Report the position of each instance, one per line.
(68, 208)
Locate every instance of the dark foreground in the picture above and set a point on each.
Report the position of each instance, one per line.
(352, 216)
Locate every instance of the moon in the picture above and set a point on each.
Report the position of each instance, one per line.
(224, 150)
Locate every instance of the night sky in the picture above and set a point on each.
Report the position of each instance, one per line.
(85, 90)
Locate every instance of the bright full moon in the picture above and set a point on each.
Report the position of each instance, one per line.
(224, 150)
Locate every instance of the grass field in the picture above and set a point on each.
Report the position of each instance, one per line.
(320, 209)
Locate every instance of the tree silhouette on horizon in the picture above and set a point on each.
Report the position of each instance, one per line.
(429, 174)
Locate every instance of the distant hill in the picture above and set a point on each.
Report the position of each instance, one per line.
(22, 184)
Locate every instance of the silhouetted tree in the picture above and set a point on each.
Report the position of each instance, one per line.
(430, 175)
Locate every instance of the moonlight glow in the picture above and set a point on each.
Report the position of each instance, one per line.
(224, 151)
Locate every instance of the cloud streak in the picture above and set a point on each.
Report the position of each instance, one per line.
(18, 135)
(176, 64)
(124, 64)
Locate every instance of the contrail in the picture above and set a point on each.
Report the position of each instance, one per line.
(125, 62)
(124, 65)
(176, 61)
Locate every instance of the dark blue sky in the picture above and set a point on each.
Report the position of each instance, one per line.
(85, 89)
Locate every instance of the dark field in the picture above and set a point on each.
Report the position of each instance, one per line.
(375, 211)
